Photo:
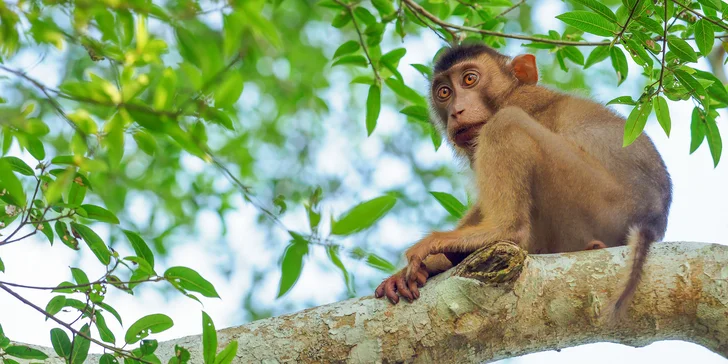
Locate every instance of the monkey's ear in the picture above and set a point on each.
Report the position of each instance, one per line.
(524, 68)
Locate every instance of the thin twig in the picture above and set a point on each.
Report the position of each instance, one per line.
(361, 39)
(417, 8)
(86, 285)
(629, 18)
(664, 47)
(696, 13)
(511, 8)
(69, 327)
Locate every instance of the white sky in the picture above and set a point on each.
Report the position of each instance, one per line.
(697, 214)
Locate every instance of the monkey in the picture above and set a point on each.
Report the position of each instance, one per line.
(551, 173)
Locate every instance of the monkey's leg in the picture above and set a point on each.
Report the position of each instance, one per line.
(514, 159)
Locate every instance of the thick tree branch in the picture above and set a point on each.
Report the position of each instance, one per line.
(499, 303)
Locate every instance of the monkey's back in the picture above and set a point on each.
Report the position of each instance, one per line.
(638, 168)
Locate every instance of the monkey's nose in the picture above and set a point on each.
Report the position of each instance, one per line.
(457, 112)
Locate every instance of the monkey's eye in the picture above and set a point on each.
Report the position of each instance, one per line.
(443, 93)
(470, 78)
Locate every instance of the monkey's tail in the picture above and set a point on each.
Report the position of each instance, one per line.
(639, 239)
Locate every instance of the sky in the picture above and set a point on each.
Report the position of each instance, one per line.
(697, 214)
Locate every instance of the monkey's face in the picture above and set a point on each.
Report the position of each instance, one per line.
(465, 97)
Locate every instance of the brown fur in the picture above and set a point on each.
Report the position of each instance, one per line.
(551, 172)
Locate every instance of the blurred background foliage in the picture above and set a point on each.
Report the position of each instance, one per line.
(186, 112)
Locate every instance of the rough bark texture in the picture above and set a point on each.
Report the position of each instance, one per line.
(499, 303)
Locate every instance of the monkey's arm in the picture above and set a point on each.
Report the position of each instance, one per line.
(431, 265)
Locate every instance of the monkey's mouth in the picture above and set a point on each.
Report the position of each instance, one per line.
(466, 135)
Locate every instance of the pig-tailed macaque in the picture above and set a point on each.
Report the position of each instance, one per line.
(551, 173)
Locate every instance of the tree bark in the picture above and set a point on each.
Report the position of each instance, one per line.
(501, 303)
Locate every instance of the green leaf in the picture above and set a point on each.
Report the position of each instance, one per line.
(55, 305)
(384, 7)
(681, 49)
(35, 148)
(181, 355)
(148, 347)
(689, 82)
(150, 324)
(341, 19)
(424, 70)
(104, 332)
(363, 215)
(24, 352)
(61, 343)
(145, 142)
(663, 113)
(347, 48)
(141, 249)
(374, 105)
(380, 263)
(2, 266)
(364, 15)
(638, 53)
(77, 192)
(598, 8)
(333, 252)
(19, 166)
(417, 112)
(292, 265)
(573, 54)
(108, 359)
(110, 310)
(624, 100)
(589, 22)
(227, 354)
(79, 276)
(704, 36)
(100, 214)
(190, 280)
(450, 203)
(714, 4)
(697, 130)
(619, 62)
(228, 91)
(94, 242)
(209, 339)
(715, 142)
(353, 60)
(599, 54)
(405, 92)
(10, 183)
(636, 122)
(392, 57)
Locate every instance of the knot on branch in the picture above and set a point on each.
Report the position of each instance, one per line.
(500, 262)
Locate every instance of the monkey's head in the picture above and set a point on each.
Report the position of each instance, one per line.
(469, 85)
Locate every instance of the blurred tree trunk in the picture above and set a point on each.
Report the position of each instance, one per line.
(499, 303)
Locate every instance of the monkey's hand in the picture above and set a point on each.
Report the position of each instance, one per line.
(418, 252)
(397, 283)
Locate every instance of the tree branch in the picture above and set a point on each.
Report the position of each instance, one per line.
(501, 303)
(447, 26)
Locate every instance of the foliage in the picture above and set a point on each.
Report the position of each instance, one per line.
(145, 89)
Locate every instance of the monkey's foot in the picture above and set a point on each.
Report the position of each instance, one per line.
(595, 244)
(397, 285)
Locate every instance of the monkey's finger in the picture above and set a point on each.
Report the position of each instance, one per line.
(421, 278)
(413, 288)
(413, 267)
(423, 270)
(403, 290)
(389, 291)
(379, 292)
